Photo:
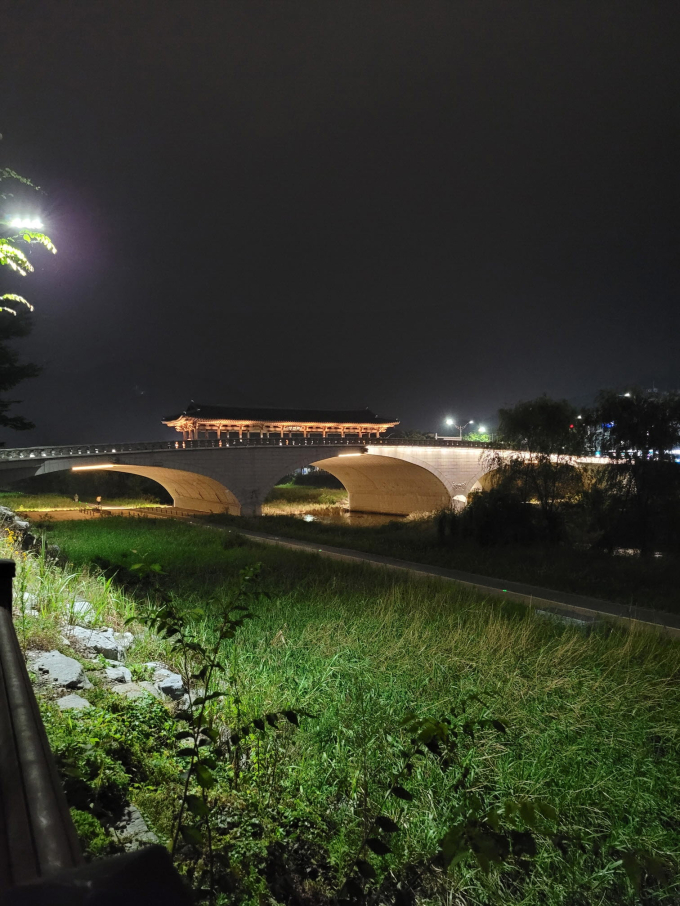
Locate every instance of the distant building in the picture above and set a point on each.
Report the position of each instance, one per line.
(200, 421)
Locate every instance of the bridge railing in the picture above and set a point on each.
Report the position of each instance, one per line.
(162, 446)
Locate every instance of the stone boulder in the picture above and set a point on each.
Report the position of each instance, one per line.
(73, 701)
(132, 830)
(136, 690)
(167, 682)
(82, 613)
(61, 670)
(111, 644)
(118, 674)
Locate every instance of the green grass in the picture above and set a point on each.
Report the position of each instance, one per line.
(17, 500)
(593, 717)
(653, 582)
(289, 499)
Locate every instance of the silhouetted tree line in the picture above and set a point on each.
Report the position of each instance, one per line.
(626, 494)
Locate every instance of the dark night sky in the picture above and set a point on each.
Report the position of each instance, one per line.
(428, 208)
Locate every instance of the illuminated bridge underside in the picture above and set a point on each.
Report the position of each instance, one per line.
(380, 484)
(189, 490)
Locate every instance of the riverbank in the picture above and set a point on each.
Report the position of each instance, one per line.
(592, 719)
(629, 581)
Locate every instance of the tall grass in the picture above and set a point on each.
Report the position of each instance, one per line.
(645, 582)
(593, 716)
(296, 499)
(17, 500)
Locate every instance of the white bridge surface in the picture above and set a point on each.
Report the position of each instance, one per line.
(389, 476)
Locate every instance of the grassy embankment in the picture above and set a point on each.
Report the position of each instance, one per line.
(593, 721)
(652, 582)
(27, 503)
(292, 499)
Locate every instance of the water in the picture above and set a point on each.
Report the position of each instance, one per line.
(341, 516)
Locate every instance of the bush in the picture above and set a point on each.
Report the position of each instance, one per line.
(494, 517)
(92, 837)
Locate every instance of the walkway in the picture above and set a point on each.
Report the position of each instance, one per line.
(556, 603)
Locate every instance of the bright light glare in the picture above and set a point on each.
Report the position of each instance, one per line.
(579, 416)
(26, 223)
(626, 394)
(108, 465)
(471, 422)
(449, 421)
(482, 429)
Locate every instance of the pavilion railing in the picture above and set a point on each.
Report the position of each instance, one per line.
(162, 446)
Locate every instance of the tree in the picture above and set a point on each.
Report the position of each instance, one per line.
(18, 231)
(638, 433)
(12, 371)
(544, 436)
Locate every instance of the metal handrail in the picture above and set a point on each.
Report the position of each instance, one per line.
(71, 450)
(40, 857)
(37, 837)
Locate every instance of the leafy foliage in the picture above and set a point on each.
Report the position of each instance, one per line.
(15, 259)
(12, 254)
(638, 491)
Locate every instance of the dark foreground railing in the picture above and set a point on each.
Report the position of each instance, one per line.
(40, 857)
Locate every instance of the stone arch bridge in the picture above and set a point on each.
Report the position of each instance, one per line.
(391, 476)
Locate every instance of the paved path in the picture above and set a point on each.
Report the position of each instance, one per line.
(559, 603)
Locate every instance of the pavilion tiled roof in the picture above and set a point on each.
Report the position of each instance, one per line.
(271, 415)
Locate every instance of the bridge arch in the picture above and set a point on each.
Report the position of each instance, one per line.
(383, 484)
(189, 490)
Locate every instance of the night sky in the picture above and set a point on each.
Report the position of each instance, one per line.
(428, 208)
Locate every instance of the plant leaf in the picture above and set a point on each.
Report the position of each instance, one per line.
(386, 824)
(376, 845)
(204, 777)
(401, 793)
(365, 869)
(191, 835)
(291, 717)
(197, 806)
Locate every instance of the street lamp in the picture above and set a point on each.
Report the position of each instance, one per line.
(461, 428)
(26, 223)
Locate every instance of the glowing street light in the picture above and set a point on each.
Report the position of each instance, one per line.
(461, 428)
(26, 223)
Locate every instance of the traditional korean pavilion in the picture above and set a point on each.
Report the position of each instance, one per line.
(201, 421)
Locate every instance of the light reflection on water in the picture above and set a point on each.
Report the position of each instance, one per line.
(341, 516)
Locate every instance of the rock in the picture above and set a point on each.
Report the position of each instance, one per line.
(136, 690)
(132, 830)
(73, 701)
(62, 670)
(184, 703)
(118, 674)
(30, 601)
(6, 513)
(22, 525)
(82, 613)
(102, 641)
(167, 682)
